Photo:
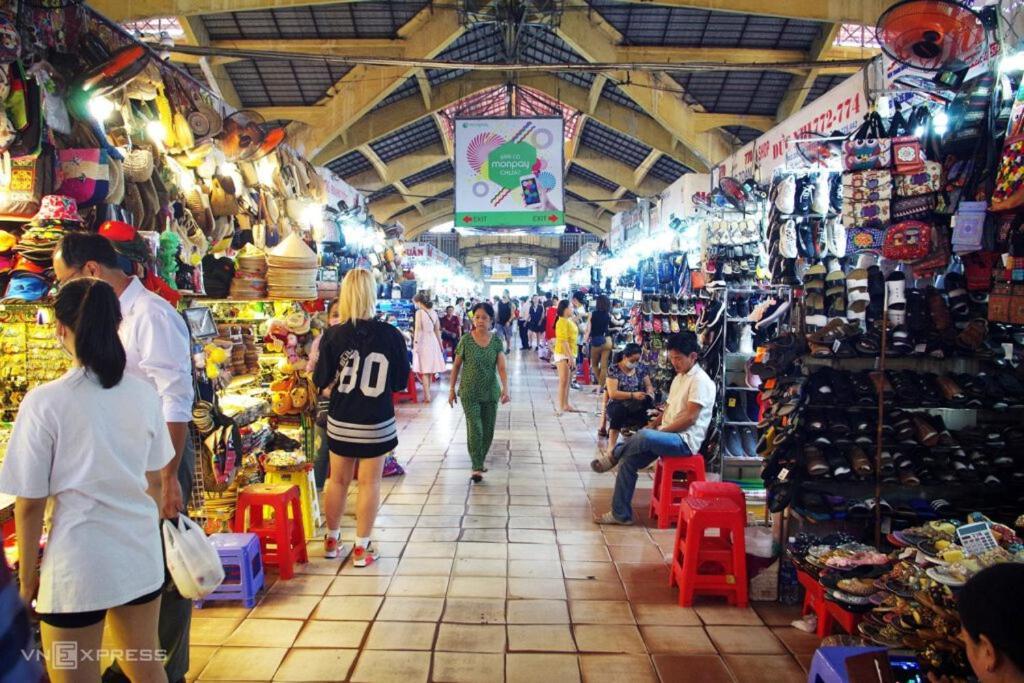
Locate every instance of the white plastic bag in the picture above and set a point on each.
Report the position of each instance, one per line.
(759, 541)
(191, 558)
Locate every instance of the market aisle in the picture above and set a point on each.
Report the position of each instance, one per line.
(508, 580)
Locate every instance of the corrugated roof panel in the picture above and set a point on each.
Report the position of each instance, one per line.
(341, 20)
(736, 92)
(416, 135)
(381, 193)
(591, 177)
(667, 169)
(615, 94)
(613, 144)
(350, 164)
(744, 133)
(283, 83)
(822, 84)
(428, 173)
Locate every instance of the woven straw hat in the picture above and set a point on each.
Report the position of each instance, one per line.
(138, 165)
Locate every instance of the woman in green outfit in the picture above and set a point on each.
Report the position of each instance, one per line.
(480, 355)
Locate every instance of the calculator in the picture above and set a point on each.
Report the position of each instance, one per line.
(977, 538)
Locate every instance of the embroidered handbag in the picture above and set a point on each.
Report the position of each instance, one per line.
(907, 156)
(868, 214)
(925, 181)
(907, 241)
(869, 148)
(1008, 193)
(21, 194)
(904, 208)
(864, 239)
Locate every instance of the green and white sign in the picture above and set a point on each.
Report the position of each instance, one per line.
(508, 172)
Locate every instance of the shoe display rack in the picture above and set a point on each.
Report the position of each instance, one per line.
(653, 320)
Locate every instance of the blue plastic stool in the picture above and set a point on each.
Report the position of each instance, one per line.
(829, 663)
(243, 568)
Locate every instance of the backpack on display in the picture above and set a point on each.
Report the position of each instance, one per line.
(969, 111)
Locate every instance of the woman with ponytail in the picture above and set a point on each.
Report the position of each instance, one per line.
(93, 441)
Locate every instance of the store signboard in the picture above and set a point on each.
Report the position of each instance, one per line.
(338, 190)
(633, 224)
(499, 269)
(840, 109)
(677, 199)
(508, 172)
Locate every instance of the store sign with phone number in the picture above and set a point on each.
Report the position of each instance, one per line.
(508, 172)
(840, 109)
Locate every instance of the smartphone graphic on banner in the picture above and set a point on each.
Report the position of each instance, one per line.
(531, 191)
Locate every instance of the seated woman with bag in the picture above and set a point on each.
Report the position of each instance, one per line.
(630, 393)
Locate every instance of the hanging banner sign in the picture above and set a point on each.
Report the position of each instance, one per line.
(841, 109)
(508, 172)
(338, 190)
(633, 224)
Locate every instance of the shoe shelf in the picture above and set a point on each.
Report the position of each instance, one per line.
(734, 423)
(958, 364)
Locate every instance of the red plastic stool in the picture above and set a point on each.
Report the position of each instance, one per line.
(667, 492)
(717, 549)
(583, 374)
(409, 393)
(701, 514)
(814, 601)
(838, 615)
(282, 539)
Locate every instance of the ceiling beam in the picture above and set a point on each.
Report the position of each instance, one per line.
(443, 210)
(573, 144)
(645, 166)
(425, 89)
(838, 11)
(706, 121)
(216, 74)
(132, 10)
(801, 84)
(592, 38)
(358, 91)
(327, 47)
(591, 193)
(617, 172)
(596, 88)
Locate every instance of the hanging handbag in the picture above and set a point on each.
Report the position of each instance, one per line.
(969, 226)
(905, 208)
(907, 241)
(1008, 193)
(867, 214)
(83, 174)
(906, 147)
(868, 148)
(862, 239)
(925, 181)
(25, 187)
(969, 115)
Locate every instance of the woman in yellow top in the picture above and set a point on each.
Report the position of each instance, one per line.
(566, 348)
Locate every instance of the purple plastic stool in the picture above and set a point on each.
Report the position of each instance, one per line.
(243, 568)
(829, 663)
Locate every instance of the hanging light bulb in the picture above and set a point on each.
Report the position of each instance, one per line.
(940, 123)
(919, 132)
(156, 132)
(100, 108)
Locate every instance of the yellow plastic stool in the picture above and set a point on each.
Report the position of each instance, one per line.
(303, 478)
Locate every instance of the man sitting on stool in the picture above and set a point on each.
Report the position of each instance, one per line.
(678, 431)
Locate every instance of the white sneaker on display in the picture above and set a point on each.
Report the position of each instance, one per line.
(747, 340)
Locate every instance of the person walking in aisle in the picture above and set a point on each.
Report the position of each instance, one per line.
(73, 446)
(523, 321)
(566, 349)
(479, 361)
(678, 431)
(504, 308)
(630, 394)
(550, 322)
(158, 349)
(427, 356)
(535, 322)
(451, 330)
(362, 362)
(323, 453)
(599, 338)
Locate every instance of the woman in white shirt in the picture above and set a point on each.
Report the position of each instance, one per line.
(93, 442)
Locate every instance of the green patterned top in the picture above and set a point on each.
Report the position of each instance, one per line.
(479, 380)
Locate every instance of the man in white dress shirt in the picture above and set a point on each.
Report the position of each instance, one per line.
(156, 341)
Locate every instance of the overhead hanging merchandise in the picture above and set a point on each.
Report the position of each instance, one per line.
(890, 405)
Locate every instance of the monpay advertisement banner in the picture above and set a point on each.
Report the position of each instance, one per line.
(508, 172)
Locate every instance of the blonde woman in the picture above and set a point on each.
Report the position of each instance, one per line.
(427, 353)
(362, 362)
(566, 348)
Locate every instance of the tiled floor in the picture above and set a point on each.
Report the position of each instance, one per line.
(509, 580)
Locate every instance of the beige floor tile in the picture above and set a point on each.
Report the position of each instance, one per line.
(392, 666)
(316, 665)
(714, 615)
(585, 553)
(483, 536)
(198, 657)
(592, 571)
(212, 632)
(286, 607)
(538, 612)
(424, 567)
(382, 567)
(677, 640)
(582, 589)
(587, 538)
(311, 584)
(540, 638)
(775, 613)
(401, 635)
(419, 586)
(318, 564)
(481, 551)
(331, 634)
(797, 642)
(243, 664)
(689, 668)
(599, 638)
(433, 535)
(617, 668)
(471, 638)
(359, 585)
(348, 608)
(760, 668)
(535, 569)
(477, 587)
(471, 566)
(468, 667)
(474, 611)
(531, 668)
(654, 614)
(265, 633)
(600, 612)
(411, 609)
(223, 610)
(636, 553)
(540, 552)
(539, 589)
(745, 640)
(531, 536)
(430, 549)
